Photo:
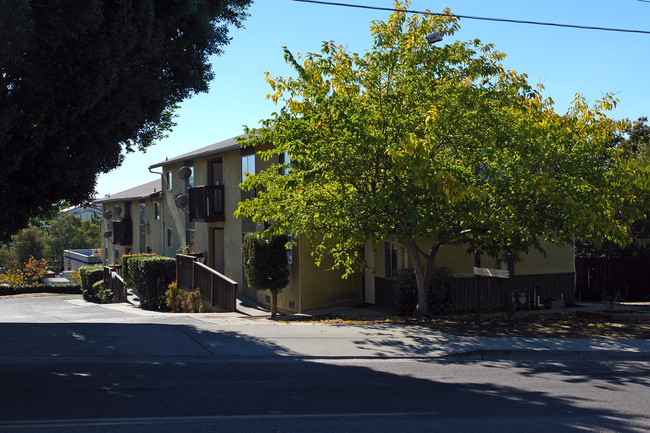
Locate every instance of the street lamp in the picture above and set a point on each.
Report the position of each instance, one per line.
(434, 37)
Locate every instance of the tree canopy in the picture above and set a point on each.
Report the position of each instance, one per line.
(80, 82)
(433, 145)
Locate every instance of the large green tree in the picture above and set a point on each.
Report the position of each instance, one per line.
(69, 232)
(83, 81)
(429, 146)
(635, 148)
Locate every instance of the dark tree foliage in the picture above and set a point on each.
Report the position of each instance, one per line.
(636, 146)
(82, 81)
(265, 265)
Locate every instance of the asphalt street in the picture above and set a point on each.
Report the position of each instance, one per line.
(68, 366)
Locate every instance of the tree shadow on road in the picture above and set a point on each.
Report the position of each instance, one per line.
(114, 371)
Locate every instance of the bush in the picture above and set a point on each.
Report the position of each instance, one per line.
(89, 275)
(439, 297)
(35, 270)
(32, 273)
(174, 298)
(40, 288)
(13, 277)
(407, 291)
(149, 276)
(195, 301)
(178, 300)
(265, 265)
(101, 294)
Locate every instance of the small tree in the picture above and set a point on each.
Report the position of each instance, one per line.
(266, 265)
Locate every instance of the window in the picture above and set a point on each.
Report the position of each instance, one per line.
(170, 238)
(390, 259)
(290, 250)
(247, 166)
(190, 181)
(116, 256)
(189, 237)
(285, 159)
(117, 213)
(216, 172)
(156, 210)
(168, 177)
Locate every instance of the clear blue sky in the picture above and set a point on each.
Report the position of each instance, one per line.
(566, 61)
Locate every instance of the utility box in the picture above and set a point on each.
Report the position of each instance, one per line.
(555, 303)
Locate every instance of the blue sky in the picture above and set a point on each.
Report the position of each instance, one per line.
(565, 61)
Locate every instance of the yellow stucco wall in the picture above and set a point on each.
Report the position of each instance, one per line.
(559, 259)
(323, 287)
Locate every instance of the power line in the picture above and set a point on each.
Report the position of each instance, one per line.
(470, 17)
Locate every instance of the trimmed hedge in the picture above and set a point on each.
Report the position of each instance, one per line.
(149, 276)
(126, 264)
(89, 275)
(73, 289)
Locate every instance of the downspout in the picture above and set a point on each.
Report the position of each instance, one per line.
(162, 211)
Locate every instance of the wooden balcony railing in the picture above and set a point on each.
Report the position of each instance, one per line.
(207, 203)
(123, 232)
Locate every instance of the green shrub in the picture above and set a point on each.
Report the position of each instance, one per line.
(174, 298)
(265, 265)
(439, 297)
(195, 301)
(127, 267)
(407, 291)
(40, 288)
(89, 275)
(101, 294)
(149, 276)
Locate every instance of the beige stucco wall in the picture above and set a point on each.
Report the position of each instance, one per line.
(152, 230)
(324, 287)
(174, 217)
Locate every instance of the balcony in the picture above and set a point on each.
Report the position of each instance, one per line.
(206, 203)
(123, 232)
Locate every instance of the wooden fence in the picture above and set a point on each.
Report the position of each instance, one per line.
(631, 277)
(114, 282)
(219, 292)
(493, 291)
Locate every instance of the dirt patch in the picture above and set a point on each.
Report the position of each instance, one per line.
(553, 325)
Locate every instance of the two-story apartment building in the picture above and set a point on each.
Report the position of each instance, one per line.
(132, 222)
(191, 207)
(200, 195)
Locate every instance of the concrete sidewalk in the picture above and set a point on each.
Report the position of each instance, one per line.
(67, 328)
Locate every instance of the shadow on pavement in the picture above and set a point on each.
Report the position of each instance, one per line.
(120, 371)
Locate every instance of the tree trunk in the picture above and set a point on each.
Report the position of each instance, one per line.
(422, 277)
(274, 304)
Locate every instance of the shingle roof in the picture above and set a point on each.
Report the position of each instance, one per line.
(222, 146)
(136, 193)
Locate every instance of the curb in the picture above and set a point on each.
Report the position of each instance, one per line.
(548, 355)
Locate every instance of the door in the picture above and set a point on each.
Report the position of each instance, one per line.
(217, 251)
(143, 229)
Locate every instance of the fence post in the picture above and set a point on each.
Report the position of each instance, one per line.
(477, 289)
(510, 286)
